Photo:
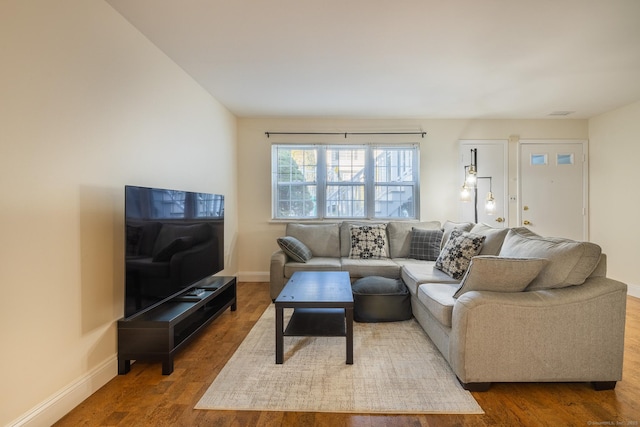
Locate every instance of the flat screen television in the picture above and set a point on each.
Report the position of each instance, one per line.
(173, 239)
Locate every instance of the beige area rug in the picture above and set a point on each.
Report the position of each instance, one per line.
(396, 370)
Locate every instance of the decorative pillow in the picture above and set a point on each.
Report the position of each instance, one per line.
(449, 226)
(369, 241)
(425, 244)
(399, 234)
(457, 253)
(499, 274)
(495, 237)
(294, 248)
(177, 245)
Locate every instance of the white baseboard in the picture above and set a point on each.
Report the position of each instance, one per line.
(61, 403)
(253, 276)
(633, 290)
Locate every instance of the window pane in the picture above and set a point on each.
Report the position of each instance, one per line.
(539, 159)
(345, 164)
(296, 184)
(345, 201)
(393, 164)
(296, 201)
(564, 159)
(394, 201)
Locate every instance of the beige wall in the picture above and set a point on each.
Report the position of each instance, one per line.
(438, 167)
(614, 144)
(87, 105)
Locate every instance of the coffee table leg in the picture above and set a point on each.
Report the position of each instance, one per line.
(349, 319)
(279, 336)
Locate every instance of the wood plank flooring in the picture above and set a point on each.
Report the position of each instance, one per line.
(144, 397)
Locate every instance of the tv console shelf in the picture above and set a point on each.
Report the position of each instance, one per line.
(159, 332)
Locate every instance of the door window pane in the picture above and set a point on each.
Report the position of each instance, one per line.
(539, 159)
(564, 159)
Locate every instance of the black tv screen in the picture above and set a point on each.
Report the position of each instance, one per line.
(173, 239)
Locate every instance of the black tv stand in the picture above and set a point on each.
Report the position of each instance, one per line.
(160, 331)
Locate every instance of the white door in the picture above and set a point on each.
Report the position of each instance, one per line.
(553, 188)
(491, 160)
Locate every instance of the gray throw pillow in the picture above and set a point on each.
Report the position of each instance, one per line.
(500, 274)
(294, 248)
(425, 244)
(457, 253)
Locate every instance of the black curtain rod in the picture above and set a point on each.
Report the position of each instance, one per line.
(345, 133)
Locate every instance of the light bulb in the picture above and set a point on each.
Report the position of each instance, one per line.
(465, 194)
(490, 204)
(472, 177)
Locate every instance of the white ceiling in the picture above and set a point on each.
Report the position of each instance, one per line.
(402, 58)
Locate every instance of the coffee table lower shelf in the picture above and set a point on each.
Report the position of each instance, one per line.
(317, 322)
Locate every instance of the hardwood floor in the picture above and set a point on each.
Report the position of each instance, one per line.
(145, 397)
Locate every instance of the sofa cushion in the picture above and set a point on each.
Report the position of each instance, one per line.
(323, 240)
(438, 299)
(457, 253)
(369, 241)
(414, 273)
(357, 267)
(314, 264)
(570, 262)
(492, 273)
(294, 248)
(494, 238)
(399, 233)
(425, 244)
(449, 226)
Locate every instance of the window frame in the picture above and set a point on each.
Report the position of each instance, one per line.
(370, 184)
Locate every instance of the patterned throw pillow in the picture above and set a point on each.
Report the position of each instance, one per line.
(369, 241)
(425, 244)
(294, 248)
(457, 253)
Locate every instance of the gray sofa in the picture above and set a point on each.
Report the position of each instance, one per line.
(525, 308)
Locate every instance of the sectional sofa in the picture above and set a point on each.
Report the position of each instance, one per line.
(501, 305)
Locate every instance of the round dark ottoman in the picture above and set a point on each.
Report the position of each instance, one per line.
(380, 299)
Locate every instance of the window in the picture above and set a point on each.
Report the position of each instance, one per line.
(564, 159)
(539, 160)
(345, 181)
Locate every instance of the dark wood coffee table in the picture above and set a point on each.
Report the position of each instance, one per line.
(323, 306)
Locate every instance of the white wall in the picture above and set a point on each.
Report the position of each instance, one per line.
(439, 165)
(87, 105)
(614, 144)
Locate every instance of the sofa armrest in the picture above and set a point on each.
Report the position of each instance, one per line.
(569, 334)
(276, 273)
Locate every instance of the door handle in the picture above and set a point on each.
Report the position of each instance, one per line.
(499, 219)
(527, 222)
